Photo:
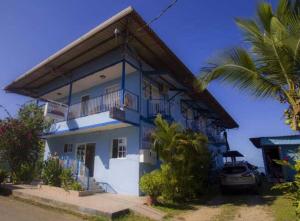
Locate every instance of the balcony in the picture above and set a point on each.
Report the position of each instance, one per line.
(159, 106)
(104, 109)
(213, 134)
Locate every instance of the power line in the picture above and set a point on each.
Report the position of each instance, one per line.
(160, 15)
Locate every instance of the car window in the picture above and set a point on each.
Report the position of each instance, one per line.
(234, 169)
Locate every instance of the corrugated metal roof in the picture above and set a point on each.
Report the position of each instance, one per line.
(101, 40)
(260, 142)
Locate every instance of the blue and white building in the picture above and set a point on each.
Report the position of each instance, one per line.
(103, 92)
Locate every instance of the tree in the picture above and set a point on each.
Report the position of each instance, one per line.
(185, 160)
(20, 142)
(270, 65)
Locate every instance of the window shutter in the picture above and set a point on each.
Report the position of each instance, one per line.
(115, 148)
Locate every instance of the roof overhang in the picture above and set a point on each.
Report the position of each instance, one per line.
(101, 40)
(260, 142)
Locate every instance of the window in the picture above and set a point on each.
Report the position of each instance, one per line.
(150, 91)
(119, 148)
(68, 148)
(146, 89)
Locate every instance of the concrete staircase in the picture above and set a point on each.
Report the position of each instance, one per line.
(94, 186)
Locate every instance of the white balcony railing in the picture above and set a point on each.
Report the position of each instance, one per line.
(102, 103)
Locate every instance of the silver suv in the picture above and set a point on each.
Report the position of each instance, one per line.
(239, 175)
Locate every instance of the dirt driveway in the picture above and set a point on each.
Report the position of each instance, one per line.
(14, 210)
(233, 208)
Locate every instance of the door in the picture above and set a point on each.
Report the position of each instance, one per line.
(90, 157)
(85, 105)
(80, 156)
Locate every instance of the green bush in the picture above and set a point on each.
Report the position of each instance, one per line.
(76, 186)
(54, 174)
(24, 174)
(52, 171)
(66, 179)
(3, 175)
(186, 163)
(151, 183)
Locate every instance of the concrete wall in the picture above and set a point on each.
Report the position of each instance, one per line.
(121, 174)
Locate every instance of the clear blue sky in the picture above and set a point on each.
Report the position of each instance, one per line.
(32, 30)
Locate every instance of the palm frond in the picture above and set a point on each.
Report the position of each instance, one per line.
(265, 13)
(238, 68)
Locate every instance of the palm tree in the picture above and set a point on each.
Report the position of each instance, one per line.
(269, 66)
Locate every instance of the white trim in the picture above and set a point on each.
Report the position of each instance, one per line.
(111, 148)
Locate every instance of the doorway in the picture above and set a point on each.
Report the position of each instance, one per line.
(90, 158)
(86, 155)
(274, 169)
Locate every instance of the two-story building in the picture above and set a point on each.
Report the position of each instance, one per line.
(103, 92)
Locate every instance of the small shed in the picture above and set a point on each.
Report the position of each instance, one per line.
(278, 148)
(232, 154)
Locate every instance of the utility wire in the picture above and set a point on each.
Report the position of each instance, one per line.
(160, 15)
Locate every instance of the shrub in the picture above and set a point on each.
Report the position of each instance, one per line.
(3, 175)
(25, 174)
(66, 179)
(76, 186)
(151, 183)
(185, 161)
(52, 171)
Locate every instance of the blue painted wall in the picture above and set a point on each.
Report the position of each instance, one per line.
(121, 174)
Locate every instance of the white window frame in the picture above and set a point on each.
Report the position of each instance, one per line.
(70, 148)
(118, 151)
(77, 145)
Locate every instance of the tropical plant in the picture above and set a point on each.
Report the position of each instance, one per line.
(185, 160)
(52, 170)
(269, 65)
(66, 178)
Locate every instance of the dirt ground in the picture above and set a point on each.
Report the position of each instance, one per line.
(233, 208)
(14, 210)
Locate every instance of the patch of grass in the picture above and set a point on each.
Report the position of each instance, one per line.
(283, 210)
(132, 217)
(281, 205)
(174, 209)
